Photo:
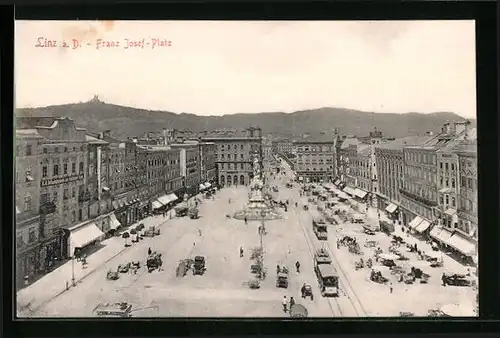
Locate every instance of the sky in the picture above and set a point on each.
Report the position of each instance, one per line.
(224, 67)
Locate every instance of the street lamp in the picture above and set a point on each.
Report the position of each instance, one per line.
(73, 270)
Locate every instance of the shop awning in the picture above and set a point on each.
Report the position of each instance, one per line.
(164, 200)
(450, 212)
(172, 197)
(349, 190)
(156, 205)
(84, 235)
(342, 195)
(113, 222)
(415, 222)
(391, 208)
(208, 185)
(424, 225)
(360, 193)
(462, 244)
(440, 234)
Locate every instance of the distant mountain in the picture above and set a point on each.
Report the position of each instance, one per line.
(126, 121)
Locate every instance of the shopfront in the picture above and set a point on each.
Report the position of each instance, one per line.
(392, 211)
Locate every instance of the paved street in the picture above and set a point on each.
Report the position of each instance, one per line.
(371, 299)
(221, 291)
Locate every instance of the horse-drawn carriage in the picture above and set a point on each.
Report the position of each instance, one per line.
(112, 275)
(355, 249)
(154, 261)
(377, 277)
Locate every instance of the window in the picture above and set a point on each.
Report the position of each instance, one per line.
(66, 194)
(81, 167)
(73, 167)
(242, 166)
(65, 168)
(469, 183)
(241, 147)
(228, 147)
(241, 156)
(440, 165)
(447, 182)
(453, 202)
(446, 166)
(56, 170)
(55, 196)
(441, 200)
(447, 199)
(222, 156)
(28, 176)
(56, 149)
(32, 235)
(453, 183)
(28, 149)
(19, 241)
(73, 193)
(27, 203)
(452, 166)
(45, 150)
(44, 171)
(73, 216)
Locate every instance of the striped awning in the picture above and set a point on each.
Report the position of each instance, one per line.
(391, 208)
(415, 222)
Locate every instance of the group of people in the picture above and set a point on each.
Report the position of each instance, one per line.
(286, 303)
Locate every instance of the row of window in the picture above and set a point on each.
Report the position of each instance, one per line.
(420, 173)
(445, 166)
(232, 179)
(420, 157)
(29, 149)
(57, 172)
(231, 166)
(416, 208)
(228, 147)
(419, 190)
(315, 148)
(234, 157)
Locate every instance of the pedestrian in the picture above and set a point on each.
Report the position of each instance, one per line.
(246, 221)
(285, 303)
(241, 252)
(292, 302)
(338, 244)
(149, 251)
(199, 232)
(297, 265)
(390, 287)
(303, 290)
(443, 279)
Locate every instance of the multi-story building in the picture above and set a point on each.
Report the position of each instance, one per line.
(30, 232)
(421, 190)
(314, 156)
(189, 165)
(389, 164)
(282, 146)
(208, 157)
(235, 153)
(267, 150)
(64, 177)
(465, 238)
(346, 148)
(363, 170)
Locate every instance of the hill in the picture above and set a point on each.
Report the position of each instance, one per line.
(127, 121)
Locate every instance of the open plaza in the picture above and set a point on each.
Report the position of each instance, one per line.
(227, 245)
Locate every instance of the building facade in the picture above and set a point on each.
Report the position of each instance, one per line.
(314, 157)
(363, 168)
(467, 200)
(235, 151)
(207, 161)
(389, 163)
(30, 231)
(189, 166)
(343, 153)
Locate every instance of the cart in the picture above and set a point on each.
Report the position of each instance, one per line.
(307, 291)
(154, 261)
(123, 268)
(298, 311)
(112, 275)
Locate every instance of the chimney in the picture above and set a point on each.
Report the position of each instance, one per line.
(461, 126)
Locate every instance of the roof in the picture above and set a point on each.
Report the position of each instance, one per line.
(27, 133)
(468, 147)
(399, 143)
(349, 141)
(94, 140)
(30, 122)
(154, 148)
(327, 270)
(316, 138)
(110, 139)
(364, 149)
